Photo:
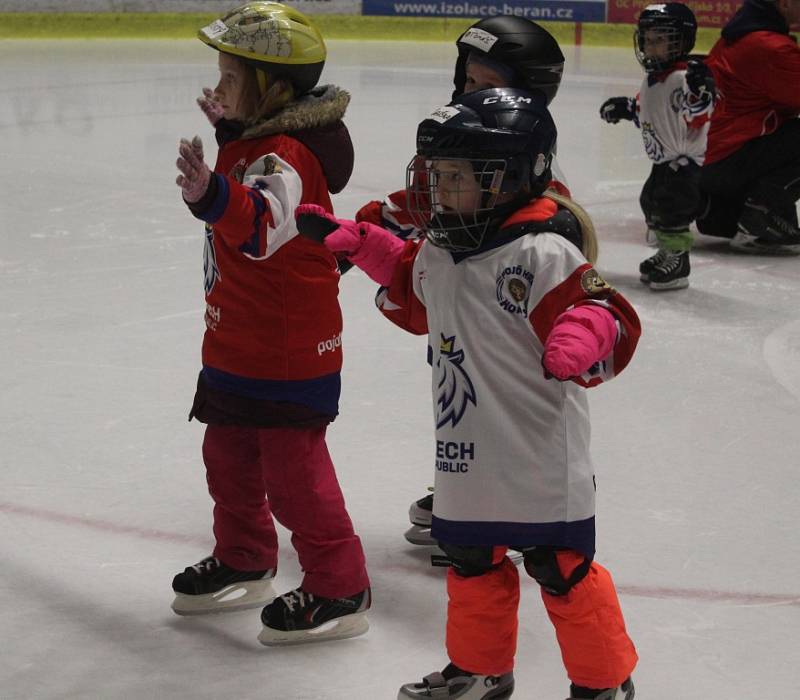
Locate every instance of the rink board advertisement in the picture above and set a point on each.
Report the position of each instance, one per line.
(711, 13)
(553, 10)
(311, 7)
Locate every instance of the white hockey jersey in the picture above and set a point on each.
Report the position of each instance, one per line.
(674, 124)
(512, 447)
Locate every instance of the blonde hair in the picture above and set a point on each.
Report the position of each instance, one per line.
(588, 235)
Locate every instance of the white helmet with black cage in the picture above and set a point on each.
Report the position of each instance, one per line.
(478, 160)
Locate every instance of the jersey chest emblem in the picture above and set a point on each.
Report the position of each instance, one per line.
(513, 289)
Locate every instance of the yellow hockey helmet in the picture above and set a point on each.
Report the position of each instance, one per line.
(272, 37)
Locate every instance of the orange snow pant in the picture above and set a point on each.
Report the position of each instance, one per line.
(482, 622)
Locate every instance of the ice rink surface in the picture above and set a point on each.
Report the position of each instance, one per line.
(102, 489)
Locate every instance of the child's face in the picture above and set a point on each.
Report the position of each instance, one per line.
(481, 77)
(457, 189)
(657, 44)
(230, 90)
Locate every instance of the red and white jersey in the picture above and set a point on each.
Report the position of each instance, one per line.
(273, 322)
(674, 123)
(512, 447)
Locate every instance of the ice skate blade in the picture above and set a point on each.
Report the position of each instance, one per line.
(681, 283)
(745, 243)
(420, 535)
(237, 596)
(340, 628)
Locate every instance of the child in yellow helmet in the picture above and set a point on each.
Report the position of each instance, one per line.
(272, 355)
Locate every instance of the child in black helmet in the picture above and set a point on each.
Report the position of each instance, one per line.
(494, 52)
(672, 109)
(272, 353)
(519, 324)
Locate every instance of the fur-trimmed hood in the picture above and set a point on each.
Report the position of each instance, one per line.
(314, 119)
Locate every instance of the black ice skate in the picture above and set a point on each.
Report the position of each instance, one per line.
(764, 232)
(647, 266)
(420, 514)
(625, 691)
(671, 273)
(300, 617)
(461, 685)
(211, 587)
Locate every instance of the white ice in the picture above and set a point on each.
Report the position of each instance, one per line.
(103, 495)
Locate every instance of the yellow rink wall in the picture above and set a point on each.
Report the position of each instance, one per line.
(147, 25)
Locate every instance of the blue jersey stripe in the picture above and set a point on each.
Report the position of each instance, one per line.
(578, 535)
(320, 393)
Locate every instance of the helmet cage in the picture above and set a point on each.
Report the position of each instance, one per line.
(673, 22)
(458, 229)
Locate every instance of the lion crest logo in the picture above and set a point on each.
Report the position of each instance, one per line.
(454, 389)
(210, 268)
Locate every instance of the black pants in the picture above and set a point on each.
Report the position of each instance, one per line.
(671, 198)
(765, 170)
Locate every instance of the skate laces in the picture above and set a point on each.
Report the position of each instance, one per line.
(297, 597)
(670, 263)
(207, 565)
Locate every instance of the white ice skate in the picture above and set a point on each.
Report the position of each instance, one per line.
(453, 684)
(626, 691)
(212, 587)
(421, 515)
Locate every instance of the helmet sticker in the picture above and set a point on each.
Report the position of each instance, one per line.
(443, 114)
(216, 29)
(478, 38)
(541, 165)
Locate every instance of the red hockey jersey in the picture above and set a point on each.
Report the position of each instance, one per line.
(273, 322)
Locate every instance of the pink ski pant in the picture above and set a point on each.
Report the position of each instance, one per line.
(256, 473)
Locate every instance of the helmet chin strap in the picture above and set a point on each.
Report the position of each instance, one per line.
(263, 81)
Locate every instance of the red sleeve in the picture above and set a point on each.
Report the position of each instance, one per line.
(399, 303)
(585, 286)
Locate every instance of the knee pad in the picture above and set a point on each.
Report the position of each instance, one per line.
(469, 560)
(541, 564)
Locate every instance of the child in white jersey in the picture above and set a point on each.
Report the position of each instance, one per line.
(495, 52)
(519, 324)
(672, 109)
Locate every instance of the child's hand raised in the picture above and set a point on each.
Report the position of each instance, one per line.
(195, 174)
(210, 106)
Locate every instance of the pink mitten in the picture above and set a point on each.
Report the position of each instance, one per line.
(195, 174)
(210, 106)
(373, 249)
(580, 337)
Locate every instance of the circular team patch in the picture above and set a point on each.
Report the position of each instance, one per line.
(594, 285)
(514, 289)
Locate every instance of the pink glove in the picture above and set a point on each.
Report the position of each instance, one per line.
(370, 247)
(210, 106)
(195, 174)
(580, 337)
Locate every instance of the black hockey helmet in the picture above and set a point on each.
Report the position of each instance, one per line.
(508, 137)
(677, 23)
(524, 46)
